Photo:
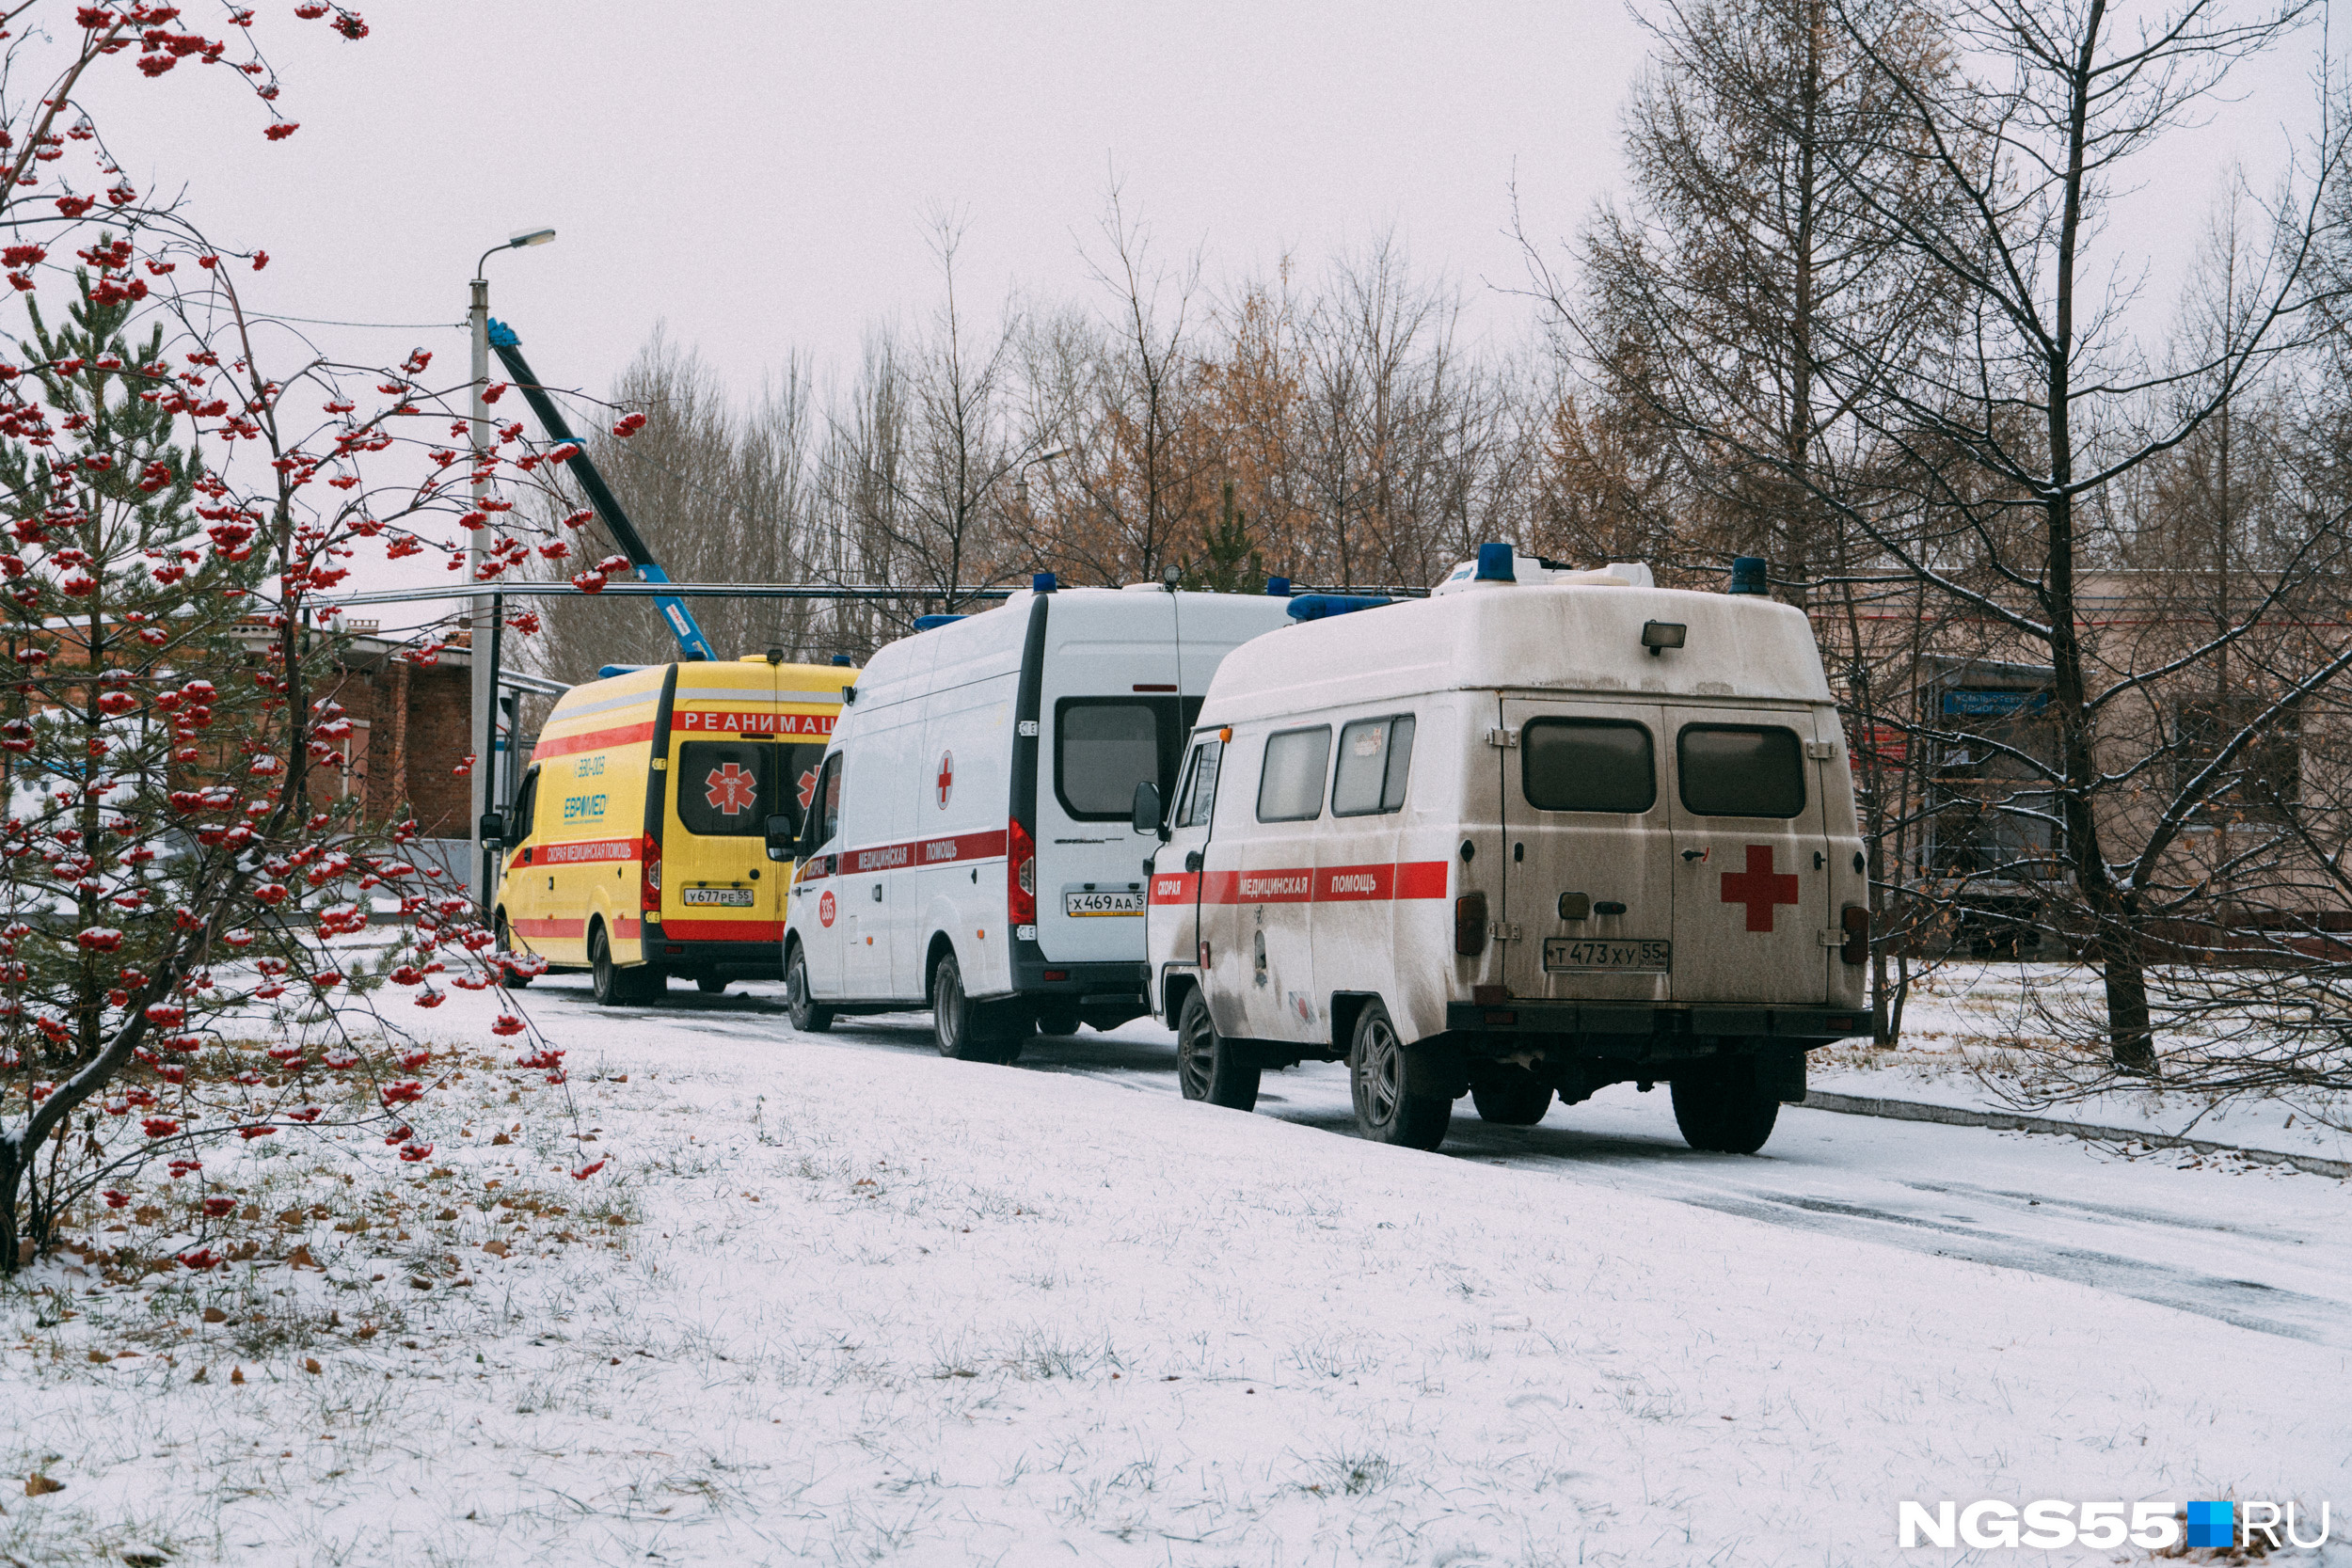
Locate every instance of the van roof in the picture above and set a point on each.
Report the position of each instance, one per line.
(1570, 639)
(703, 680)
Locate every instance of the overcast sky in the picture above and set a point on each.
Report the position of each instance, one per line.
(759, 175)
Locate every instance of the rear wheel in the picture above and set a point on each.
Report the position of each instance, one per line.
(710, 985)
(1510, 1097)
(1057, 1018)
(966, 1030)
(807, 1017)
(1394, 1103)
(614, 986)
(1725, 1107)
(1209, 1066)
(512, 978)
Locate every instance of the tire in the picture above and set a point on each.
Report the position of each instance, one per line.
(710, 985)
(1510, 1097)
(512, 980)
(1057, 1018)
(1209, 1066)
(1724, 1107)
(966, 1030)
(614, 986)
(1389, 1081)
(807, 1017)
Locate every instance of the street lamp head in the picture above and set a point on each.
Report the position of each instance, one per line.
(1057, 451)
(530, 236)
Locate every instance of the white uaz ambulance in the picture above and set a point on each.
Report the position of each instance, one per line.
(1543, 831)
(969, 842)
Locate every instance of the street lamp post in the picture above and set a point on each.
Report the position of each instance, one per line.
(485, 613)
(1021, 481)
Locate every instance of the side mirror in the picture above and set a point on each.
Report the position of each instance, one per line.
(1147, 810)
(782, 838)
(493, 827)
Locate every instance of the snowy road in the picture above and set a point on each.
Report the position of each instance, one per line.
(2257, 1246)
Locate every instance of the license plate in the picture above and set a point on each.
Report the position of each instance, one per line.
(1573, 955)
(1083, 906)
(728, 897)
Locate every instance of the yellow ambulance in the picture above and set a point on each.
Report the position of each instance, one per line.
(651, 834)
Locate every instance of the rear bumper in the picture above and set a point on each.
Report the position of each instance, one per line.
(1120, 983)
(742, 961)
(1639, 1029)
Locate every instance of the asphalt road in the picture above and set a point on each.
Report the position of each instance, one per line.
(2268, 1248)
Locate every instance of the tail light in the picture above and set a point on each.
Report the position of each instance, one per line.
(1020, 876)
(1856, 921)
(649, 884)
(1470, 924)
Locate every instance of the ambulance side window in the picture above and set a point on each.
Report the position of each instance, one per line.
(1290, 789)
(1198, 797)
(1374, 756)
(526, 807)
(1588, 765)
(1741, 771)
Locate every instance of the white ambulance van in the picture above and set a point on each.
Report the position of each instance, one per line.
(1541, 832)
(971, 846)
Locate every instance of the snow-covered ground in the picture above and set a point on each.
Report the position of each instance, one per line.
(1962, 1035)
(837, 1300)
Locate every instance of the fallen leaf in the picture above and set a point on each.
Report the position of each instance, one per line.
(300, 1259)
(39, 1485)
(100, 1356)
(501, 1138)
(236, 1374)
(310, 1365)
(496, 1249)
(365, 1331)
(215, 1315)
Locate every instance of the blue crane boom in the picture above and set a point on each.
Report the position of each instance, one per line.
(680, 620)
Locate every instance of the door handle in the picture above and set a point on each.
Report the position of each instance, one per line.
(878, 890)
(1695, 854)
(1192, 860)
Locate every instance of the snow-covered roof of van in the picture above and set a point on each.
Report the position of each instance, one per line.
(1585, 638)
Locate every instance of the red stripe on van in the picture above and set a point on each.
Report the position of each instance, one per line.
(592, 741)
(579, 854)
(1331, 884)
(913, 855)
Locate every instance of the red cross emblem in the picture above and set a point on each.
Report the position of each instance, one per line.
(946, 777)
(732, 790)
(808, 788)
(1759, 888)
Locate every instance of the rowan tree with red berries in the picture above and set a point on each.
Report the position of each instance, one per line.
(181, 480)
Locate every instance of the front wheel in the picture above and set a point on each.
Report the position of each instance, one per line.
(1389, 1081)
(1209, 1066)
(807, 1017)
(966, 1030)
(1725, 1107)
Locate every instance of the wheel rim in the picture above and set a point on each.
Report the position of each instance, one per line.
(796, 986)
(1196, 1062)
(1383, 1072)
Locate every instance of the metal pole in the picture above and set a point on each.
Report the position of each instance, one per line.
(484, 710)
(495, 788)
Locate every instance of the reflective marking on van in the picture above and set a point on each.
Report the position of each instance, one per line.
(743, 722)
(957, 849)
(1331, 884)
(592, 741)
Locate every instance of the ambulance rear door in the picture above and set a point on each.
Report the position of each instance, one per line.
(1588, 905)
(726, 774)
(1752, 872)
